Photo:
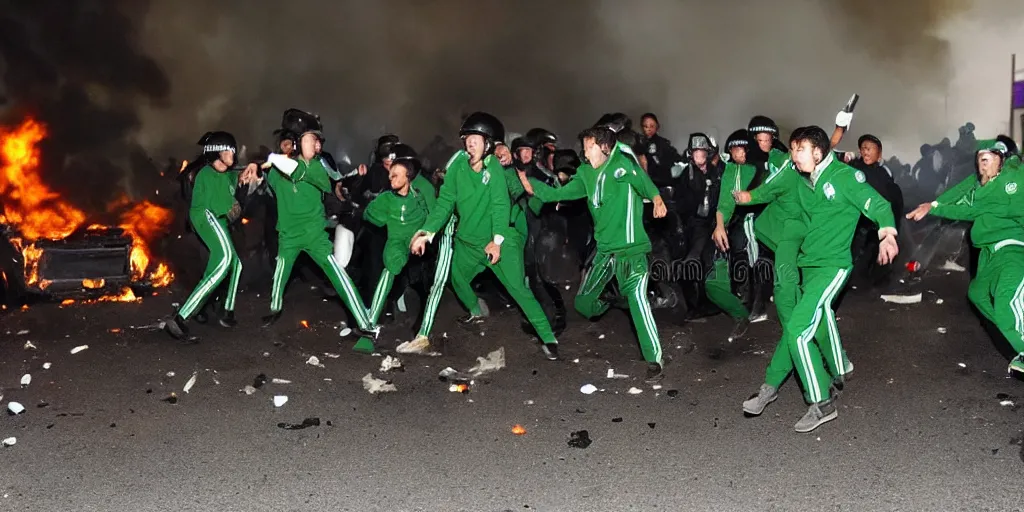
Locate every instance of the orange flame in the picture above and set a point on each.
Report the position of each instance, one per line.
(518, 430)
(304, 324)
(93, 284)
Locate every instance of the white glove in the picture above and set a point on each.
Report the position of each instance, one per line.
(843, 119)
(344, 241)
(283, 163)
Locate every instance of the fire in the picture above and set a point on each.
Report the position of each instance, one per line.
(304, 324)
(37, 212)
(518, 430)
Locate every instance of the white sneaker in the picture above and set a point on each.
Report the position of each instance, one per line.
(419, 345)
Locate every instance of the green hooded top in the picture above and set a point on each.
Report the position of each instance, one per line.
(783, 218)
(300, 205)
(480, 199)
(403, 216)
(213, 191)
(995, 208)
(735, 177)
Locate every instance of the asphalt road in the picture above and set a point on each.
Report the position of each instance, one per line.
(916, 430)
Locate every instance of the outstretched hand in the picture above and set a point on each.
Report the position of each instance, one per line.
(920, 212)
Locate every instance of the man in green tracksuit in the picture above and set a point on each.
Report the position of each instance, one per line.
(402, 210)
(475, 188)
(615, 186)
(213, 208)
(994, 204)
(832, 197)
(299, 185)
(737, 176)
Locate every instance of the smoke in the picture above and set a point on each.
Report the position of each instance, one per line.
(162, 73)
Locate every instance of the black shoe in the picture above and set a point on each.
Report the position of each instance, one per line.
(271, 319)
(655, 372)
(550, 351)
(176, 327)
(739, 329)
(558, 325)
(471, 321)
(228, 320)
(373, 334)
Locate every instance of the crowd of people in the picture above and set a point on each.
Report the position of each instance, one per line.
(638, 223)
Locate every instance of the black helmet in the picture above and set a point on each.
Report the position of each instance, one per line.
(567, 161)
(762, 124)
(283, 134)
(300, 123)
(1011, 146)
(486, 125)
(616, 122)
(385, 144)
(738, 139)
(215, 142)
(405, 155)
(697, 141)
(540, 137)
(521, 142)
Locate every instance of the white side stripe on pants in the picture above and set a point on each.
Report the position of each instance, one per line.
(205, 287)
(808, 335)
(1017, 307)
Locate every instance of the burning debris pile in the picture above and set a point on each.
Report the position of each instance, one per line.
(53, 252)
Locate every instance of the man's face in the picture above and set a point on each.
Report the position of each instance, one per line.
(399, 176)
(988, 165)
(525, 155)
(319, 146)
(870, 152)
(650, 127)
(386, 162)
(700, 157)
(805, 156)
(308, 145)
(228, 157)
(595, 155)
(286, 146)
(475, 147)
(738, 154)
(764, 141)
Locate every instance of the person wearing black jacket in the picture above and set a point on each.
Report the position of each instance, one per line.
(661, 155)
(699, 188)
(865, 246)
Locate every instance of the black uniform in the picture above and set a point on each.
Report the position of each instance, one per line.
(865, 240)
(661, 156)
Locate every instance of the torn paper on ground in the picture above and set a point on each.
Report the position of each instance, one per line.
(613, 375)
(375, 386)
(314, 361)
(10, 441)
(588, 389)
(79, 349)
(26, 380)
(248, 390)
(29, 346)
(635, 391)
(280, 400)
(902, 299)
(191, 382)
(276, 380)
(390, 363)
(493, 362)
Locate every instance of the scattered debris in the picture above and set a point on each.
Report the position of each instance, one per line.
(345, 332)
(259, 381)
(902, 299)
(191, 382)
(939, 301)
(170, 374)
(493, 362)
(588, 389)
(331, 355)
(952, 266)
(941, 330)
(962, 365)
(651, 424)
(248, 390)
(390, 363)
(617, 420)
(41, 405)
(601, 337)
(22, 332)
(518, 430)
(1007, 403)
(304, 324)
(656, 387)
(461, 387)
(46, 366)
(375, 386)
(306, 423)
(10, 441)
(528, 402)
(314, 361)
(580, 439)
(635, 391)
(276, 380)
(280, 400)
(26, 380)
(613, 375)
(672, 393)
(29, 346)
(14, 408)
(79, 349)
(172, 399)
(447, 373)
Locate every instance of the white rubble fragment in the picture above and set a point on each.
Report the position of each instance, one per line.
(613, 375)
(656, 387)
(1006, 403)
(26, 380)
(22, 332)
(962, 365)
(528, 402)
(375, 386)
(601, 337)
(170, 374)
(588, 389)
(46, 366)
(29, 346)
(577, 360)
(15, 407)
(952, 266)
(276, 380)
(941, 330)
(448, 372)
(191, 382)
(10, 441)
(280, 400)
(248, 390)
(79, 349)
(493, 362)
(939, 301)
(902, 299)
(390, 363)
(314, 361)
(331, 355)
(635, 391)
(345, 332)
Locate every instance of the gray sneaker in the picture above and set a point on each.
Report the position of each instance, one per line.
(817, 414)
(756, 404)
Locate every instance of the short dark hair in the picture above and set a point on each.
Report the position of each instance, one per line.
(601, 135)
(813, 134)
(867, 137)
(651, 116)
